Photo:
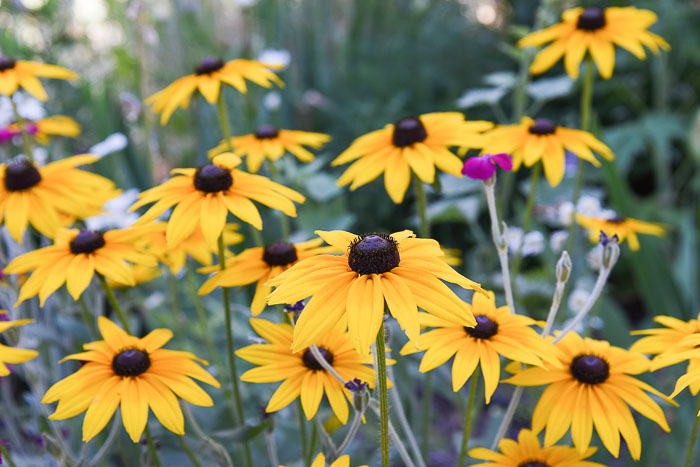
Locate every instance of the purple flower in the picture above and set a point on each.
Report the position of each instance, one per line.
(605, 240)
(482, 167)
(356, 385)
(296, 308)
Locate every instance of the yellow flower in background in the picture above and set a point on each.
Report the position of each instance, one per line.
(497, 332)
(207, 79)
(13, 355)
(342, 461)
(418, 144)
(531, 141)
(260, 265)
(453, 256)
(203, 197)
(272, 143)
(58, 125)
(20, 73)
(351, 288)
(527, 452)
(134, 373)
(591, 387)
(75, 257)
(301, 374)
(624, 228)
(597, 31)
(52, 196)
(141, 274)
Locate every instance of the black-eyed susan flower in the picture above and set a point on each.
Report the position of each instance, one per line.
(260, 265)
(52, 196)
(203, 197)
(404, 271)
(20, 73)
(301, 374)
(58, 125)
(134, 373)
(207, 79)
(141, 274)
(527, 452)
(593, 386)
(13, 355)
(74, 258)
(320, 461)
(531, 141)
(272, 143)
(418, 144)
(624, 228)
(597, 31)
(497, 332)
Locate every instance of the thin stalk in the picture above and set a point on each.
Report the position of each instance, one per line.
(500, 241)
(284, 220)
(28, 148)
(534, 181)
(352, 431)
(425, 416)
(383, 396)
(175, 308)
(422, 207)
(691, 446)
(87, 317)
(223, 120)
(271, 445)
(256, 235)
(403, 453)
(201, 314)
(188, 451)
(312, 445)
(152, 448)
(113, 301)
(216, 447)
(108, 442)
(468, 418)
(302, 433)
(327, 444)
(6, 455)
(326, 366)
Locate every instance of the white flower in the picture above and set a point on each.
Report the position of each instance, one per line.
(558, 240)
(596, 322)
(588, 206)
(514, 238)
(28, 108)
(113, 143)
(577, 300)
(565, 213)
(279, 57)
(533, 243)
(272, 100)
(594, 257)
(116, 215)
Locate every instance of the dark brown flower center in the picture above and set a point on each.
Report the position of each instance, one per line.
(267, 132)
(590, 369)
(533, 464)
(542, 126)
(212, 179)
(6, 63)
(310, 361)
(591, 19)
(87, 241)
(373, 254)
(209, 65)
(21, 175)
(485, 327)
(280, 254)
(131, 362)
(407, 131)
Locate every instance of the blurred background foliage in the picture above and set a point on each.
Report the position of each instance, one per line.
(351, 67)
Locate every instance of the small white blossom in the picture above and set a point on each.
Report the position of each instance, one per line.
(280, 57)
(558, 240)
(514, 238)
(588, 206)
(594, 257)
(533, 243)
(116, 212)
(565, 213)
(113, 143)
(577, 300)
(272, 100)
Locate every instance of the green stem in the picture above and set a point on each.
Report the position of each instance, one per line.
(257, 236)
(201, 314)
(223, 120)
(115, 304)
(188, 451)
(693, 438)
(312, 445)
(6, 456)
(23, 129)
(422, 207)
(284, 221)
(383, 396)
(152, 448)
(175, 308)
(468, 418)
(527, 216)
(87, 317)
(302, 433)
(425, 418)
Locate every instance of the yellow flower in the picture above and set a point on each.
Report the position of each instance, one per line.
(20, 73)
(41, 129)
(74, 258)
(592, 387)
(342, 461)
(52, 196)
(13, 355)
(302, 375)
(624, 228)
(497, 332)
(596, 30)
(260, 265)
(453, 256)
(417, 144)
(207, 78)
(407, 272)
(527, 452)
(141, 274)
(531, 141)
(135, 373)
(204, 197)
(272, 143)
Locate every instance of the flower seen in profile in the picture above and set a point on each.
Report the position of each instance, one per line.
(342, 461)
(21, 73)
(483, 167)
(13, 355)
(623, 228)
(41, 130)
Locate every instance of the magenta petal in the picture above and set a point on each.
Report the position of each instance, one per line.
(479, 168)
(503, 160)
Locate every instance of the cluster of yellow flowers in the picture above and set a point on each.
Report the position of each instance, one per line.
(351, 281)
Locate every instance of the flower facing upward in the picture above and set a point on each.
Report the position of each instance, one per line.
(497, 332)
(13, 355)
(41, 129)
(593, 387)
(135, 373)
(483, 167)
(20, 73)
(260, 265)
(52, 196)
(74, 258)
(351, 288)
(531, 141)
(204, 197)
(320, 461)
(417, 144)
(596, 30)
(207, 78)
(527, 452)
(272, 143)
(624, 228)
(301, 374)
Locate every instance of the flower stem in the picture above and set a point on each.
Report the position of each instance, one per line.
(23, 129)
(383, 396)
(534, 181)
(422, 207)
(468, 418)
(350, 435)
(500, 241)
(113, 301)
(87, 317)
(152, 448)
(284, 221)
(188, 451)
(201, 314)
(223, 120)
(425, 416)
(693, 438)
(302, 434)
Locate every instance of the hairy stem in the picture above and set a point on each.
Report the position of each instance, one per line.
(380, 371)
(113, 301)
(468, 418)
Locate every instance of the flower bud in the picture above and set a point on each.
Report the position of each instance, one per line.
(563, 268)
